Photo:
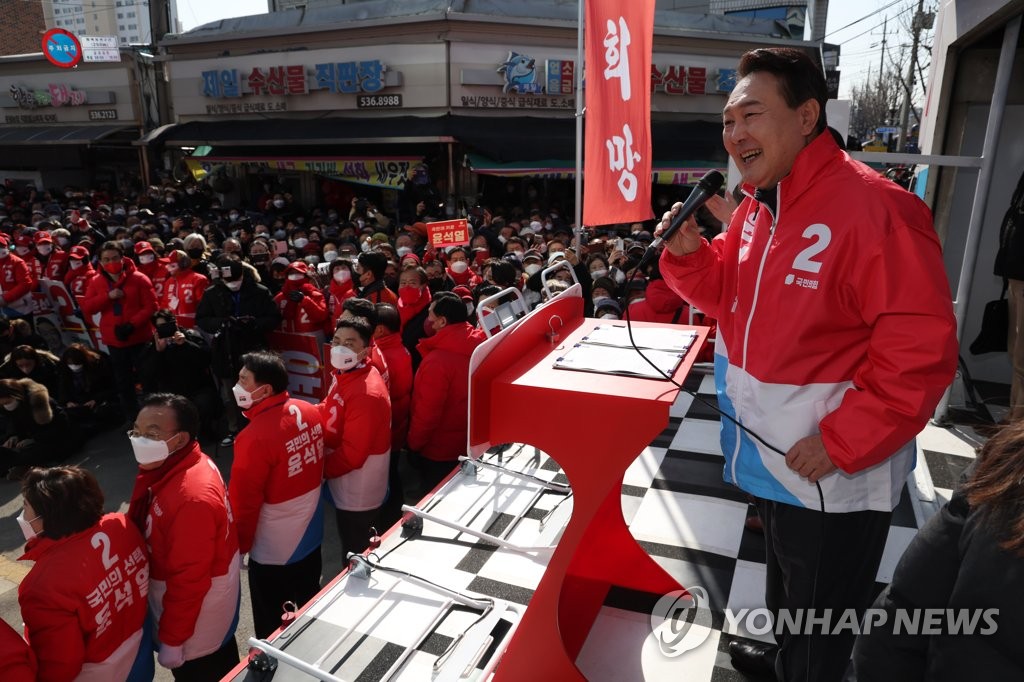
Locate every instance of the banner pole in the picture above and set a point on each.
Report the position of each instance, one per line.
(578, 216)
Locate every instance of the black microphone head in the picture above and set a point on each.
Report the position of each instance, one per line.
(711, 182)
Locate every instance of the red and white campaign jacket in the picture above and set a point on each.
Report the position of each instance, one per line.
(17, 280)
(84, 601)
(275, 481)
(194, 561)
(357, 427)
(834, 317)
(182, 293)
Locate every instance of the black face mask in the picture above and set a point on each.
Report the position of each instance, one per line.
(259, 258)
(194, 254)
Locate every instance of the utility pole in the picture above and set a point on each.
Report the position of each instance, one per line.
(881, 60)
(909, 93)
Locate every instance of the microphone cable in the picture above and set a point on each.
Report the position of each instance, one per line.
(751, 432)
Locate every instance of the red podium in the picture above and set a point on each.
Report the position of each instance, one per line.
(594, 425)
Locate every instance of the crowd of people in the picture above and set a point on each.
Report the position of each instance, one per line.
(183, 293)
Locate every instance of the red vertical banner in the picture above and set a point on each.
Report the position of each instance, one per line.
(617, 154)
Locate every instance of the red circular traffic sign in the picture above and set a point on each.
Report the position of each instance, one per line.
(61, 48)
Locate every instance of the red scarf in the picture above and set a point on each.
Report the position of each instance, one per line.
(407, 311)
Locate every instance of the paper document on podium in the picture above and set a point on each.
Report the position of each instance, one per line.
(590, 357)
(656, 338)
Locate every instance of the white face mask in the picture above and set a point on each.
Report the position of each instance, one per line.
(609, 316)
(600, 272)
(342, 275)
(300, 243)
(365, 247)
(296, 278)
(44, 249)
(149, 451)
(171, 269)
(460, 266)
(531, 269)
(147, 258)
(26, 526)
(63, 241)
(75, 264)
(233, 216)
(22, 250)
(330, 256)
(11, 406)
(75, 368)
(404, 251)
(620, 276)
(469, 307)
(243, 398)
(234, 286)
(278, 203)
(343, 358)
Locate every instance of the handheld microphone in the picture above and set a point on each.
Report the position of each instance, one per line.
(705, 189)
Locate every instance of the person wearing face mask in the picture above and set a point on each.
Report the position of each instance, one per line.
(387, 339)
(238, 313)
(372, 267)
(177, 360)
(80, 271)
(38, 430)
(357, 431)
(303, 307)
(338, 290)
(17, 280)
(413, 308)
(85, 389)
(195, 247)
(78, 628)
(437, 275)
(275, 495)
(438, 423)
(183, 290)
(459, 268)
(125, 301)
(180, 502)
(151, 266)
(48, 261)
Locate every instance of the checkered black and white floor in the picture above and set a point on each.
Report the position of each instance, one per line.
(680, 510)
(677, 507)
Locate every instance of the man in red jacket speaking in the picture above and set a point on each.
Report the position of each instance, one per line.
(836, 339)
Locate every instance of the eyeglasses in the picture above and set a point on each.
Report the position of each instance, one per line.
(151, 435)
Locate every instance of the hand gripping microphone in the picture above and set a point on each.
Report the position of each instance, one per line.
(708, 186)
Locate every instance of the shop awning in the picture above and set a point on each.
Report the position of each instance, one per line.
(289, 132)
(665, 172)
(49, 135)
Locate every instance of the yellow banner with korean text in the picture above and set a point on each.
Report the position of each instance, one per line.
(389, 172)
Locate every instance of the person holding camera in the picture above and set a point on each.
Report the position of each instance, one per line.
(126, 301)
(239, 313)
(177, 360)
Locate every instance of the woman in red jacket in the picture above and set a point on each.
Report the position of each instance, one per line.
(84, 601)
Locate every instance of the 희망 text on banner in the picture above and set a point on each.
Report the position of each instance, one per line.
(617, 159)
